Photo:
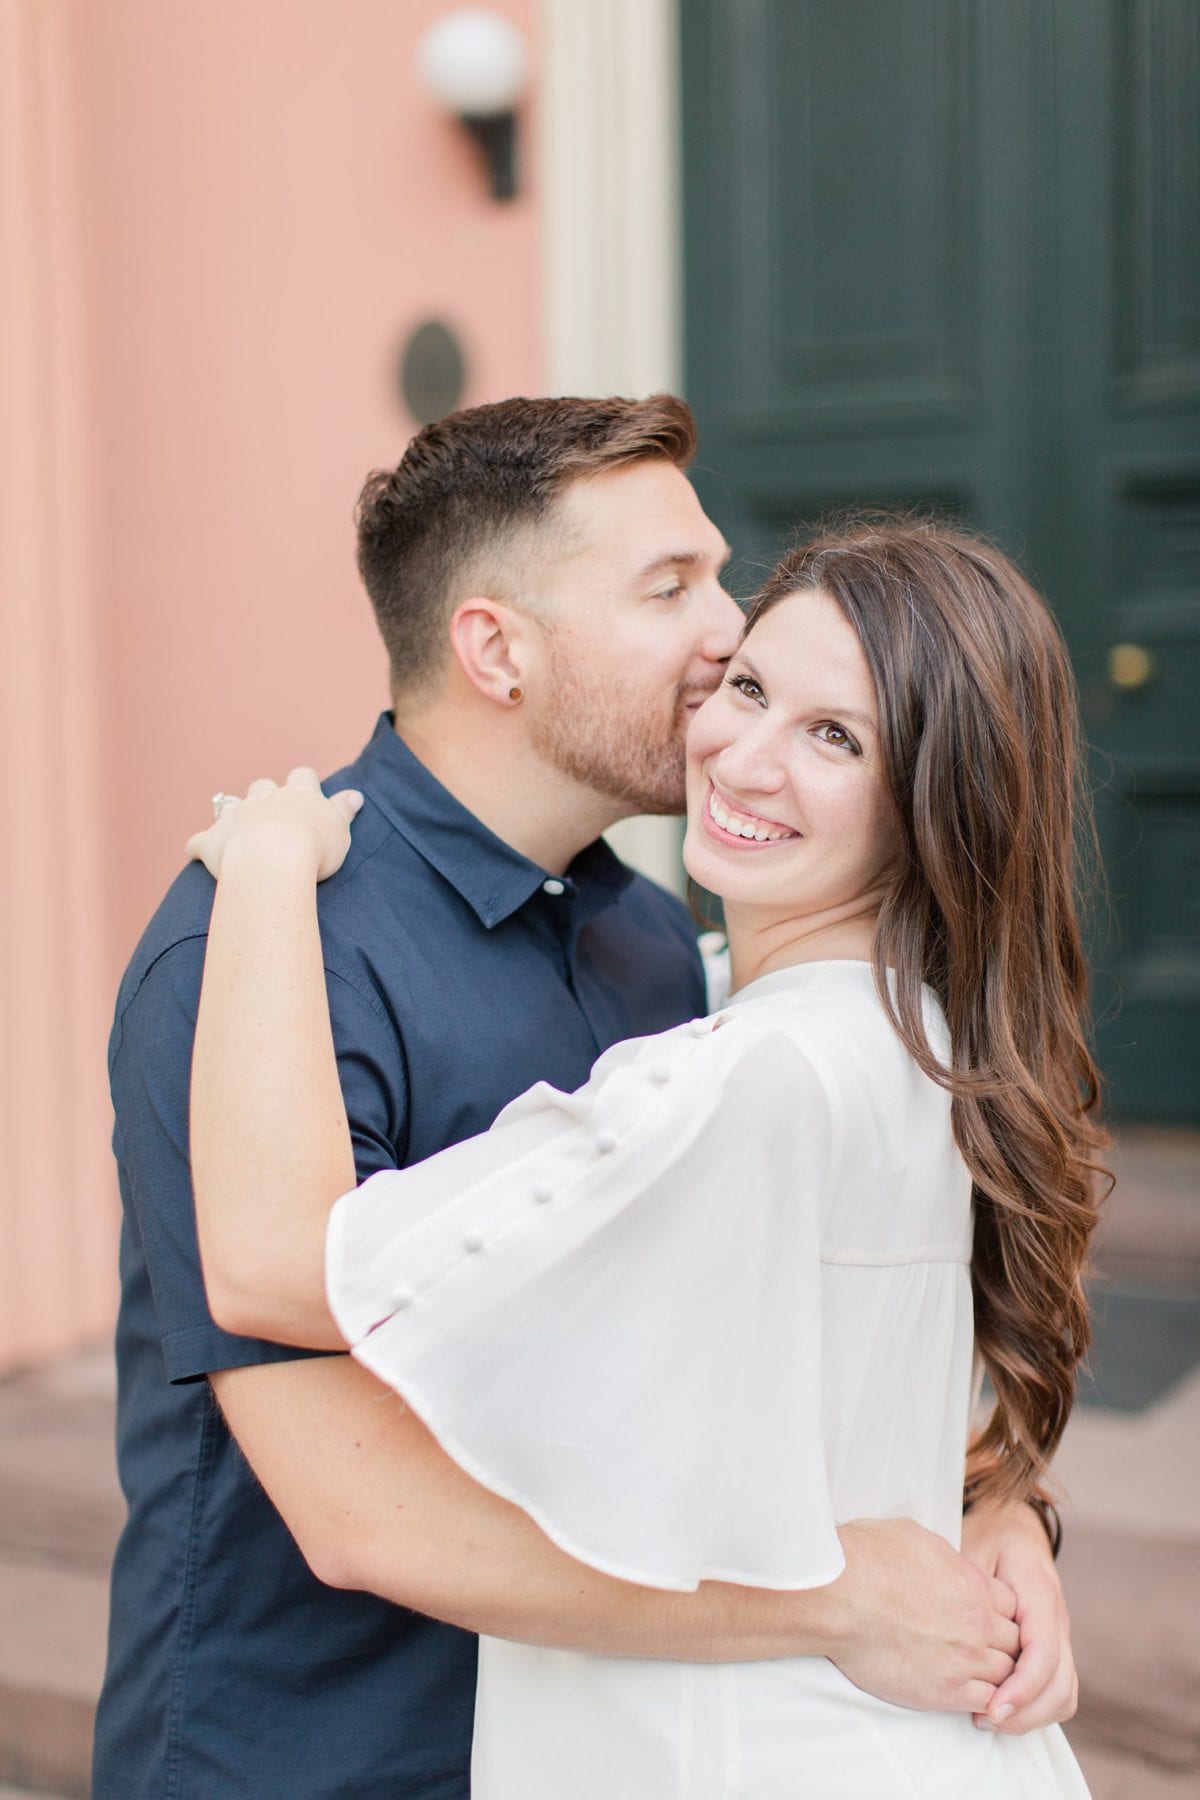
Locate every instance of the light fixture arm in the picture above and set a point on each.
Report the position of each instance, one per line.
(496, 135)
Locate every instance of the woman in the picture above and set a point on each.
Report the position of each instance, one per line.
(727, 1294)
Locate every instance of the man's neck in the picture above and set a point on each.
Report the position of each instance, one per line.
(489, 769)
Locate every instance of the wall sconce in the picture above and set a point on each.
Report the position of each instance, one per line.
(473, 60)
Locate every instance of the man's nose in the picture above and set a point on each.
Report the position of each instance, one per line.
(724, 628)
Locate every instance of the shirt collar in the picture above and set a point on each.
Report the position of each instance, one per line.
(493, 878)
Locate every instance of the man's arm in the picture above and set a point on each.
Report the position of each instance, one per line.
(374, 1503)
(1010, 1544)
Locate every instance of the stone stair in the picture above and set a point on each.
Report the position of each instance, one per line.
(60, 1512)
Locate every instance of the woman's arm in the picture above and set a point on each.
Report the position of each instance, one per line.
(270, 1145)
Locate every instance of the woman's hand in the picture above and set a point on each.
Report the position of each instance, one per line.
(297, 815)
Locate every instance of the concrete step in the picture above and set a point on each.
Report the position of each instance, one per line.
(52, 1628)
(60, 1501)
(1136, 1633)
(1114, 1777)
(60, 1512)
(1149, 1233)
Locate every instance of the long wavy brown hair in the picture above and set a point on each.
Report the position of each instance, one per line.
(980, 736)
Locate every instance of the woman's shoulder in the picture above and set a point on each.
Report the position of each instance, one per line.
(899, 1184)
(834, 1020)
(834, 1006)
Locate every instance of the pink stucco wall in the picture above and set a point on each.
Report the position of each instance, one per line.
(273, 203)
(263, 203)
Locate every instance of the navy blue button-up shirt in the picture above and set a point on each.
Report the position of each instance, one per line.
(457, 977)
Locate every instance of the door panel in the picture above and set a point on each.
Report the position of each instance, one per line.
(877, 325)
(944, 252)
(1126, 558)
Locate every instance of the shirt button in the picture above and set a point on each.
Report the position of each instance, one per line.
(474, 1243)
(543, 1193)
(701, 1027)
(554, 886)
(660, 1074)
(402, 1299)
(605, 1142)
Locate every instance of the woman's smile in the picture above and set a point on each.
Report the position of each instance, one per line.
(739, 828)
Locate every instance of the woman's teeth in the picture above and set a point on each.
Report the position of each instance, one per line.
(742, 825)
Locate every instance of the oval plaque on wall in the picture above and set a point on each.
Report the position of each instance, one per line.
(432, 372)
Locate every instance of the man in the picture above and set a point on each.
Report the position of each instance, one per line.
(300, 1559)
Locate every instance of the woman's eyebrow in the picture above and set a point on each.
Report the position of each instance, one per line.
(838, 712)
(858, 718)
(740, 656)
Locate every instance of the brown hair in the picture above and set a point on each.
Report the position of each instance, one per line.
(980, 740)
(458, 508)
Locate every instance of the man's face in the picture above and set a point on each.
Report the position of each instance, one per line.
(638, 632)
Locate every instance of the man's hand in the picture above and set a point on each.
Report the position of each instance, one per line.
(916, 1623)
(1009, 1544)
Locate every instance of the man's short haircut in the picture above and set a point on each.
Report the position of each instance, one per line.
(462, 510)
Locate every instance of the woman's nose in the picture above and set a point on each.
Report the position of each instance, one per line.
(750, 763)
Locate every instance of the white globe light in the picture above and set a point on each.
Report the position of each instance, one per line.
(474, 62)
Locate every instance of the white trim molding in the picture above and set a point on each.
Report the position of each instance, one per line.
(57, 1204)
(609, 179)
(610, 183)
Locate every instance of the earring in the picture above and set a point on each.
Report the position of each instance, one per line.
(515, 695)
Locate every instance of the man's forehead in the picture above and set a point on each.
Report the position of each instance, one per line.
(654, 509)
(679, 556)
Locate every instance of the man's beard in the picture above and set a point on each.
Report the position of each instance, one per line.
(610, 745)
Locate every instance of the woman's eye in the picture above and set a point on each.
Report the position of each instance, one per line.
(837, 737)
(745, 684)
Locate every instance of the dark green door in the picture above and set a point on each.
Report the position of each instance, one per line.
(946, 252)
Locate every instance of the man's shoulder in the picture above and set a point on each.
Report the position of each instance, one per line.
(180, 919)
(175, 936)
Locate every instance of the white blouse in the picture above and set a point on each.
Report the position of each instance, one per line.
(689, 1318)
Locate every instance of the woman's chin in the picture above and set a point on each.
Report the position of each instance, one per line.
(708, 869)
(697, 858)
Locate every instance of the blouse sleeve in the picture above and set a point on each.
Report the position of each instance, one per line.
(607, 1308)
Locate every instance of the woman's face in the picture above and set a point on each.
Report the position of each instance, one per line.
(787, 807)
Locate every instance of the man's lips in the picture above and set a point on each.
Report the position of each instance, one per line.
(741, 830)
(696, 697)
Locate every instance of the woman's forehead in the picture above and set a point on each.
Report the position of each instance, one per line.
(805, 634)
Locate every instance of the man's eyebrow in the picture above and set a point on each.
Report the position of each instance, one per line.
(675, 559)
(836, 712)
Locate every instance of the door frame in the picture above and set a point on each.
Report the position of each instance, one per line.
(610, 181)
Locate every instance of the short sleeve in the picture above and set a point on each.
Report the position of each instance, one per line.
(608, 1307)
(150, 1075)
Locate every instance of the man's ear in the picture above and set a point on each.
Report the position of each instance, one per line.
(492, 643)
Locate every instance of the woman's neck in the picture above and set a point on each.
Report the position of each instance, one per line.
(760, 942)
